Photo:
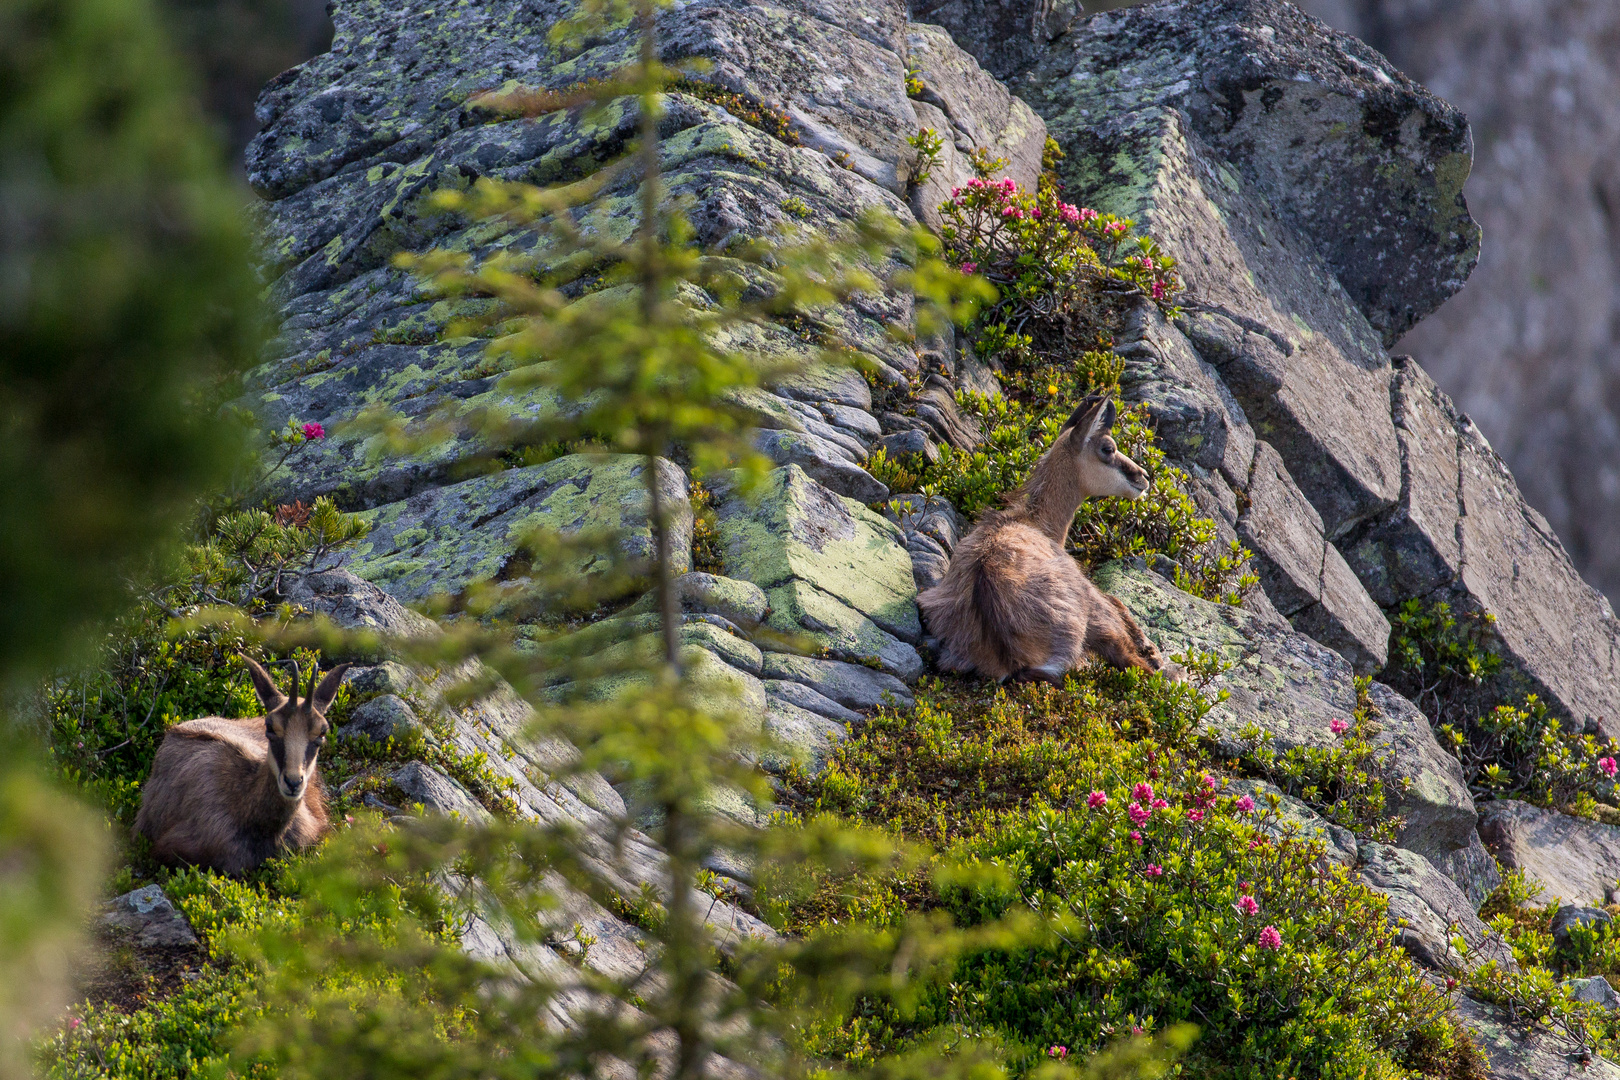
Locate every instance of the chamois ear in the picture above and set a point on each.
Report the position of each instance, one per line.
(1103, 422)
(271, 698)
(321, 699)
(1078, 417)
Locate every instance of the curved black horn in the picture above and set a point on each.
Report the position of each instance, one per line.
(298, 677)
(314, 673)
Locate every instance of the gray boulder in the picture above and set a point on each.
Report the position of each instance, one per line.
(1595, 989)
(741, 602)
(1428, 910)
(382, 718)
(1571, 860)
(148, 916)
(1567, 918)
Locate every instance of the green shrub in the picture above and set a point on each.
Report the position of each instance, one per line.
(1509, 744)
(1022, 424)
(1042, 795)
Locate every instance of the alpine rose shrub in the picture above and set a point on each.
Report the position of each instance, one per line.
(1042, 254)
(1205, 910)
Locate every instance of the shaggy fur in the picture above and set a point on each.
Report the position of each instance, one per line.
(228, 794)
(1013, 603)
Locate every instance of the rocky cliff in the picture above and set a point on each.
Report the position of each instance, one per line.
(1531, 349)
(1312, 193)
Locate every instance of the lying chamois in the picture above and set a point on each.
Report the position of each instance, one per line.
(228, 794)
(1013, 603)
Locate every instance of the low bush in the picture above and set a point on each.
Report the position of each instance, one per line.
(1163, 898)
(1509, 744)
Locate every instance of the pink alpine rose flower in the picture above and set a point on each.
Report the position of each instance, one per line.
(1136, 837)
(1608, 766)
(1142, 792)
(314, 431)
(1097, 800)
(1153, 870)
(1339, 727)
(1139, 813)
(1244, 805)
(1248, 905)
(1270, 939)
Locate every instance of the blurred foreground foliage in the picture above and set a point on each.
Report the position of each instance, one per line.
(125, 297)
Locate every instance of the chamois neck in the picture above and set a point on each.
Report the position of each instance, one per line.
(1052, 495)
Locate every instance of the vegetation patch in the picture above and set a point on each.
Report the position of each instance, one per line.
(1168, 899)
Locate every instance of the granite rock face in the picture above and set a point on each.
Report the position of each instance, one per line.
(1312, 195)
(1571, 860)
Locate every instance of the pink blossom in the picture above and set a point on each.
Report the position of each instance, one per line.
(1339, 727)
(955, 191)
(1158, 290)
(1608, 766)
(1008, 185)
(1136, 837)
(1035, 213)
(969, 267)
(1059, 1052)
(1142, 792)
(314, 431)
(1097, 800)
(1209, 782)
(1070, 214)
(1088, 214)
(1255, 842)
(1139, 813)
(1153, 870)
(1195, 815)
(73, 1023)
(1138, 1029)
(1248, 905)
(1269, 938)
(1245, 887)
(1159, 804)
(1115, 228)
(1244, 805)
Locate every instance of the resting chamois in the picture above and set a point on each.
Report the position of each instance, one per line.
(1013, 603)
(228, 794)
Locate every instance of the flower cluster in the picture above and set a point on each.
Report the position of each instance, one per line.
(1033, 244)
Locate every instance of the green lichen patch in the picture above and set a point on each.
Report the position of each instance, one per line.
(446, 539)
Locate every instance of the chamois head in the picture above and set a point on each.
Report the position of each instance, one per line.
(1102, 469)
(296, 729)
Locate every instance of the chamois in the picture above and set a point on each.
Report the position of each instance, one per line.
(228, 794)
(1013, 603)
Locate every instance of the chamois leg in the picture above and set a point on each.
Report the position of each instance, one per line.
(1115, 636)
